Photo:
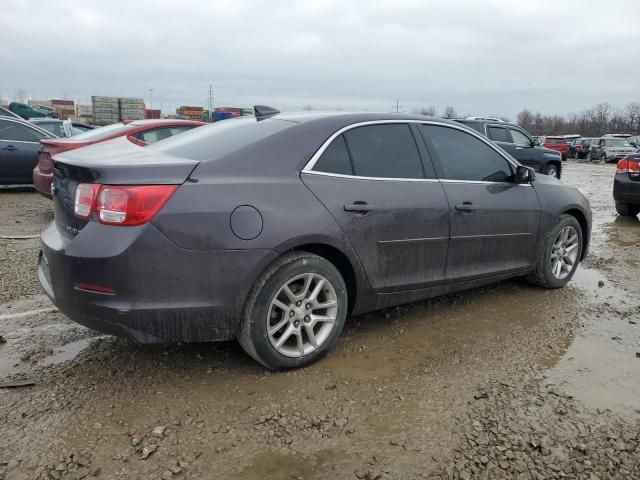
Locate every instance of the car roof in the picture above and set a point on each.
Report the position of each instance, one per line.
(352, 117)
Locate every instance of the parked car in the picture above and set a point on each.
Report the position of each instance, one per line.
(519, 144)
(610, 149)
(143, 131)
(635, 141)
(559, 144)
(28, 111)
(626, 186)
(579, 148)
(49, 111)
(56, 126)
(19, 144)
(273, 229)
(8, 113)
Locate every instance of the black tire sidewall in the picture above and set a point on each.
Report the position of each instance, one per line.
(552, 281)
(258, 329)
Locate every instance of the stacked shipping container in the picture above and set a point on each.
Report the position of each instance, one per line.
(131, 108)
(105, 110)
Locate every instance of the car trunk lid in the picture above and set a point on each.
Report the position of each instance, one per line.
(117, 162)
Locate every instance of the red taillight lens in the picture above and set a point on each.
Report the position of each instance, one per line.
(127, 205)
(86, 195)
(630, 166)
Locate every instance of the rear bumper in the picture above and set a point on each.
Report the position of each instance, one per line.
(626, 190)
(42, 182)
(162, 293)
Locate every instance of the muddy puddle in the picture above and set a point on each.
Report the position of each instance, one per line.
(599, 366)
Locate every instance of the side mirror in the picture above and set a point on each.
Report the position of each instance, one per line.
(535, 142)
(525, 174)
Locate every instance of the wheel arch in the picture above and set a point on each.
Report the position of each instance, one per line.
(584, 227)
(341, 261)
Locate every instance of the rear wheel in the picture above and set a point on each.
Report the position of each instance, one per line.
(603, 157)
(560, 256)
(295, 312)
(626, 210)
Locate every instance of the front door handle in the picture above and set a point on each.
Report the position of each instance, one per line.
(466, 207)
(11, 148)
(359, 207)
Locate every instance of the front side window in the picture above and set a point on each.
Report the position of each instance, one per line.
(462, 156)
(335, 158)
(387, 151)
(498, 134)
(13, 131)
(519, 138)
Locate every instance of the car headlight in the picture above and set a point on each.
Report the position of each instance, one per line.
(584, 194)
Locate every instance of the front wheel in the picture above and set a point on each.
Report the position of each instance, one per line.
(552, 170)
(295, 312)
(560, 256)
(626, 210)
(603, 157)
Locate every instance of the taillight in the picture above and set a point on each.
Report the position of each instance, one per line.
(86, 195)
(630, 166)
(123, 205)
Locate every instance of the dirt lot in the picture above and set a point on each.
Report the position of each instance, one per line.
(508, 381)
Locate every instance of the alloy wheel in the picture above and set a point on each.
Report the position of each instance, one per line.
(302, 315)
(552, 172)
(564, 253)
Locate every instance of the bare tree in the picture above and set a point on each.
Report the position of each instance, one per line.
(449, 112)
(307, 108)
(429, 111)
(633, 116)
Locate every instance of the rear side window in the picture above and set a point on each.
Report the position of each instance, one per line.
(387, 151)
(498, 134)
(477, 126)
(157, 134)
(335, 159)
(462, 156)
(14, 131)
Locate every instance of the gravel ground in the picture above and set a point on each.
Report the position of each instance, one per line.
(507, 381)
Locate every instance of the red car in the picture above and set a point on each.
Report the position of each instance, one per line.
(143, 131)
(559, 144)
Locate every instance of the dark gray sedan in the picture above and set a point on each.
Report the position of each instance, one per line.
(273, 229)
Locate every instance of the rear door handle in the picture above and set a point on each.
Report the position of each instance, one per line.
(359, 207)
(466, 207)
(11, 148)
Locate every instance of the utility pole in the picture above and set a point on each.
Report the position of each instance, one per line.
(151, 98)
(210, 102)
(397, 106)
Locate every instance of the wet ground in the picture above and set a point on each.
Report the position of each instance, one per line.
(507, 381)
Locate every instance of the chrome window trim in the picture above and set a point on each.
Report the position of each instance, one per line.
(30, 125)
(308, 168)
(358, 177)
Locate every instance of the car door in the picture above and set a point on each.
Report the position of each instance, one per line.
(379, 184)
(19, 144)
(494, 221)
(524, 149)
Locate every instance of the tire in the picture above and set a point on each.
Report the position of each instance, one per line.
(576, 155)
(543, 276)
(551, 170)
(603, 157)
(626, 210)
(301, 272)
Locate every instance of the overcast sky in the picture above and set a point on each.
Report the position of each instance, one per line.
(483, 57)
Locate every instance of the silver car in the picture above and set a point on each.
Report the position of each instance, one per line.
(610, 149)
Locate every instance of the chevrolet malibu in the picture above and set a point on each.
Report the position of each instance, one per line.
(272, 230)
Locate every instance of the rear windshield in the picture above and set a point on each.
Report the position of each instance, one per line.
(103, 132)
(214, 141)
(556, 140)
(617, 142)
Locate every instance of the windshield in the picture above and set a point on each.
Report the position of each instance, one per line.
(617, 142)
(218, 139)
(103, 132)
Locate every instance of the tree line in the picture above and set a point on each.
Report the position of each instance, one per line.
(593, 122)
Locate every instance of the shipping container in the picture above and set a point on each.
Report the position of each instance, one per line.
(228, 109)
(104, 99)
(152, 114)
(217, 115)
(246, 112)
(62, 102)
